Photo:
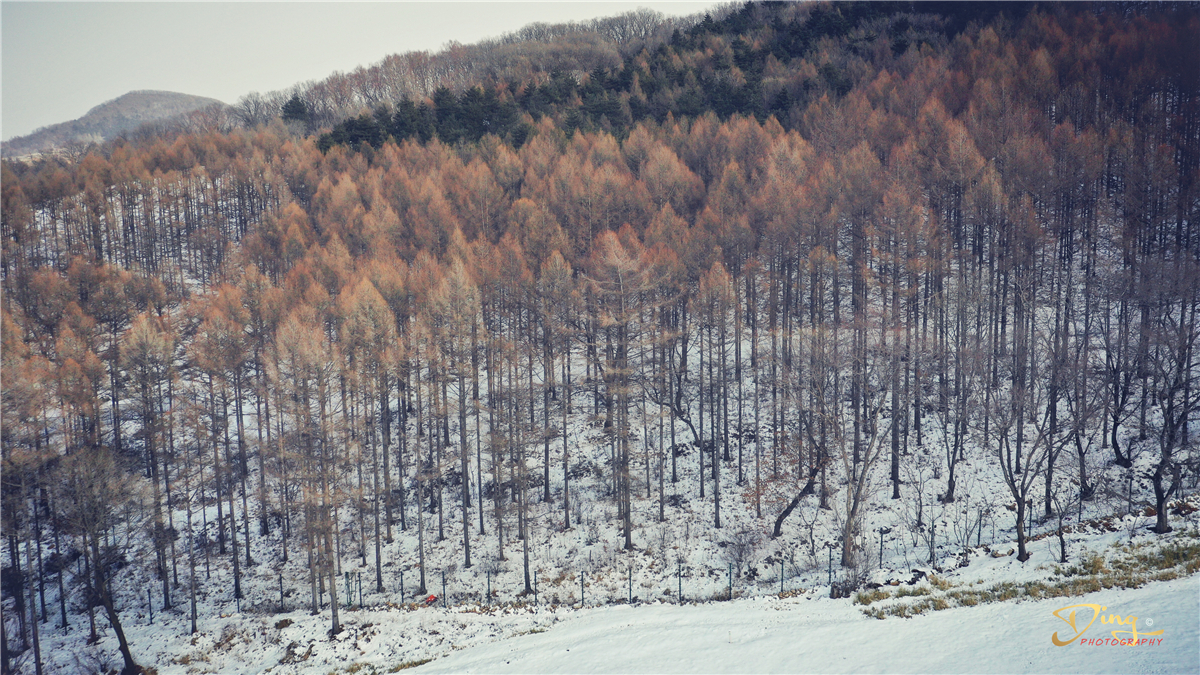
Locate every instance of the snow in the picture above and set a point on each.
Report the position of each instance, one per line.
(766, 635)
(806, 632)
(760, 635)
(757, 632)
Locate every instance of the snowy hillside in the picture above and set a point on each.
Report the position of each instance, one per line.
(805, 633)
(935, 560)
(781, 619)
(800, 630)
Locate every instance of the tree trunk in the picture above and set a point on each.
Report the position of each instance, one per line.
(131, 667)
(1022, 553)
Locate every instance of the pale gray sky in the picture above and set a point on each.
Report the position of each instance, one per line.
(59, 59)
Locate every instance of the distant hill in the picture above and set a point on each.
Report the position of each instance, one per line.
(107, 120)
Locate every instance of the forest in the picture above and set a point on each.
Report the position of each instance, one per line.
(785, 264)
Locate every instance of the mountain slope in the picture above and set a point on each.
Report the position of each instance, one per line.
(109, 119)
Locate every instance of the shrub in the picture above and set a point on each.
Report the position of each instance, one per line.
(870, 596)
(939, 583)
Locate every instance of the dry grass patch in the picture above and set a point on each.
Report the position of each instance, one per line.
(1129, 566)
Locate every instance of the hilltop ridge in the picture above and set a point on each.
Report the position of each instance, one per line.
(109, 119)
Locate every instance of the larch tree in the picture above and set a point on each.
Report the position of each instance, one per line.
(558, 301)
(148, 355)
(217, 352)
(368, 334)
(455, 303)
(716, 301)
(308, 367)
(621, 275)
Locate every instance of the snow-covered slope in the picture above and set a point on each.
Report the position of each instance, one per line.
(802, 631)
(760, 635)
(766, 635)
(970, 540)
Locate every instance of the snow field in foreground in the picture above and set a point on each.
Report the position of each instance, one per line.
(820, 635)
(807, 633)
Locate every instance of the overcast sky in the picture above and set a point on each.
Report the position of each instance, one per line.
(59, 59)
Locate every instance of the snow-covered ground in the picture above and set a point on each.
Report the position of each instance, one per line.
(805, 631)
(757, 632)
(767, 635)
